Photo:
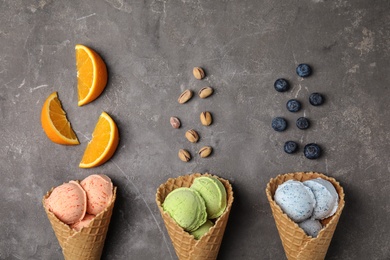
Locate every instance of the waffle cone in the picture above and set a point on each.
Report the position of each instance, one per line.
(186, 247)
(86, 244)
(296, 244)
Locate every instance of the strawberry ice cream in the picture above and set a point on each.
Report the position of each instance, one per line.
(99, 190)
(68, 202)
(83, 223)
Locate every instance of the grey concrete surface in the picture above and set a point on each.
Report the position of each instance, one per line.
(150, 48)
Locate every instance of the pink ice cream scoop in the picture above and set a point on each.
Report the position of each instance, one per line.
(68, 202)
(83, 223)
(99, 189)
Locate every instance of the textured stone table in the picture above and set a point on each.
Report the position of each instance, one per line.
(150, 48)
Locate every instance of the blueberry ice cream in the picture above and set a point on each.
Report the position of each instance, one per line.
(311, 227)
(326, 197)
(296, 200)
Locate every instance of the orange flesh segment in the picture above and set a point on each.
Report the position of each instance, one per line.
(84, 73)
(91, 74)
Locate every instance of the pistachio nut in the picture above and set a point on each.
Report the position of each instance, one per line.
(205, 151)
(198, 73)
(192, 136)
(206, 118)
(184, 155)
(185, 96)
(175, 122)
(205, 92)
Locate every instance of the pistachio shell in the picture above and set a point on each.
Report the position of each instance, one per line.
(185, 96)
(205, 92)
(192, 136)
(206, 118)
(205, 151)
(198, 73)
(175, 122)
(184, 155)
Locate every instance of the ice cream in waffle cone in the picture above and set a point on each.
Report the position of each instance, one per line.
(186, 246)
(296, 244)
(86, 244)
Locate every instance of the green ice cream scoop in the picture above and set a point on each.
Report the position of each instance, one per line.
(214, 194)
(186, 207)
(202, 230)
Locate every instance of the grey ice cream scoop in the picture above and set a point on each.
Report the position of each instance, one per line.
(311, 227)
(295, 199)
(326, 197)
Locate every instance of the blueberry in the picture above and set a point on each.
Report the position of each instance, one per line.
(303, 123)
(281, 85)
(279, 124)
(303, 70)
(293, 105)
(316, 99)
(290, 147)
(312, 151)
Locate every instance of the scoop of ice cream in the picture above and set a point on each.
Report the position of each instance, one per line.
(326, 197)
(311, 227)
(99, 189)
(295, 199)
(68, 202)
(214, 194)
(202, 230)
(83, 223)
(186, 207)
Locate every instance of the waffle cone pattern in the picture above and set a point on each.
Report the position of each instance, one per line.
(296, 244)
(88, 243)
(186, 247)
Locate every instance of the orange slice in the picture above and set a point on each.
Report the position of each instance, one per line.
(55, 124)
(91, 74)
(105, 139)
